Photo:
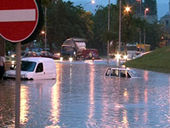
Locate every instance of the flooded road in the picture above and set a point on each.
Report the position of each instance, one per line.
(82, 97)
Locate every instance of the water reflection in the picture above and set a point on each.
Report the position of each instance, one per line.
(81, 97)
(55, 98)
(24, 100)
(145, 76)
(91, 120)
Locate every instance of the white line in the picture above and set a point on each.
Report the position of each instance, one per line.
(17, 15)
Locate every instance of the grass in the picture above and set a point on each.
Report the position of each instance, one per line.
(158, 60)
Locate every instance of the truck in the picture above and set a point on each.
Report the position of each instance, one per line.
(76, 48)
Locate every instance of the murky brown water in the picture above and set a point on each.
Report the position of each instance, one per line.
(81, 97)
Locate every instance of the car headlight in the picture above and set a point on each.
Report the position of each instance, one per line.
(117, 56)
(70, 59)
(24, 76)
(125, 57)
(61, 58)
(12, 62)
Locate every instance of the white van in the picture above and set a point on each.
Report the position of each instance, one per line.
(35, 68)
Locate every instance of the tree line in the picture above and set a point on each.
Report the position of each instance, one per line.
(65, 20)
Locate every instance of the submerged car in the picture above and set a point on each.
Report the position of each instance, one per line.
(120, 72)
(35, 68)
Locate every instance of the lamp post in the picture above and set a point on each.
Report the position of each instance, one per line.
(120, 25)
(145, 13)
(43, 32)
(140, 14)
(108, 42)
(45, 28)
(127, 9)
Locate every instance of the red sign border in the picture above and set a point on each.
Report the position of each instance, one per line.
(15, 41)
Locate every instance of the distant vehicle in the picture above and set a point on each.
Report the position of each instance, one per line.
(132, 51)
(31, 54)
(120, 72)
(35, 68)
(56, 56)
(76, 48)
(46, 54)
(88, 54)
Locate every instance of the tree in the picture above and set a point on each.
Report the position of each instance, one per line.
(65, 20)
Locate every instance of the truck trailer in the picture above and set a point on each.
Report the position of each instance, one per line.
(76, 48)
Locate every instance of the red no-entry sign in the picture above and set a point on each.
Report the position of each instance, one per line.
(18, 19)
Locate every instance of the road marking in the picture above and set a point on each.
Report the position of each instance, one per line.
(17, 15)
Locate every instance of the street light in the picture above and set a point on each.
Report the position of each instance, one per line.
(127, 9)
(43, 32)
(120, 25)
(140, 33)
(145, 13)
(146, 10)
(93, 1)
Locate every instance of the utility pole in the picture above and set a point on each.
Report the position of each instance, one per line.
(45, 15)
(108, 42)
(2, 46)
(120, 25)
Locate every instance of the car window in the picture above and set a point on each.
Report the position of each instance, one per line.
(39, 68)
(28, 66)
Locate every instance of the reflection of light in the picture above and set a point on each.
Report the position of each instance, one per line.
(71, 74)
(126, 95)
(55, 98)
(136, 95)
(91, 93)
(24, 104)
(146, 95)
(125, 119)
(145, 116)
(146, 75)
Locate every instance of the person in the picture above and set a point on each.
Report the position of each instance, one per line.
(2, 67)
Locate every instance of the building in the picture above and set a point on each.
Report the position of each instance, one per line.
(139, 7)
(165, 20)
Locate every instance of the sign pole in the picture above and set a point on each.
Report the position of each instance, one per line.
(18, 84)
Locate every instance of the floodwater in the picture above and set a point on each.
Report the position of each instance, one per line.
(82, 97)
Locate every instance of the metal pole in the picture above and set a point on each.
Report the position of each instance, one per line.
(144, 38)
(140, 33)
(120, 25)
(18, 84)
(108, 43)
(45, 14)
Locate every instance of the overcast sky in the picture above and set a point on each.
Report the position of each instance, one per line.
(162, 5)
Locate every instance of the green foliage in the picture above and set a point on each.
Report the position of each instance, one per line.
(45, 3)
(65, 20)
(157, 60)
(101, 34)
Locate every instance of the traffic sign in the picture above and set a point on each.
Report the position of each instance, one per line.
(18, 19)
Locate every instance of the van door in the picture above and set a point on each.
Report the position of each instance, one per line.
(39, 72)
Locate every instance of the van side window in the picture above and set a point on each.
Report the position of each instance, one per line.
(39, 67)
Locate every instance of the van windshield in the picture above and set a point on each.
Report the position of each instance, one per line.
(28, 66)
